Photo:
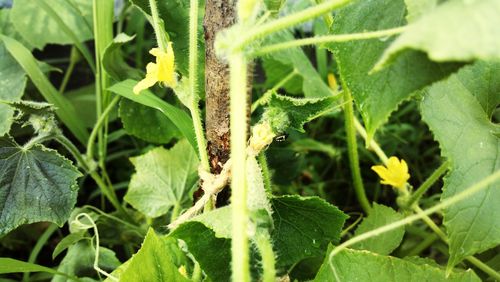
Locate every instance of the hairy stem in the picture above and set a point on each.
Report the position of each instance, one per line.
(415, 197)
(263, 242)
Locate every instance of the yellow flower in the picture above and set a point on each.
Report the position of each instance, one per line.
(161, 71)
(395, 173)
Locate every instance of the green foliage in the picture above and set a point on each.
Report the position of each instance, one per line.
(377, 95)
(383, 244)
(153, 262)
(37, 184)
(163, 179)
(114, 63)
(458, 111)
(454, 31)
(352, 265)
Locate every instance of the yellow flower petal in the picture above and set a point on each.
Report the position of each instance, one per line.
(147, 82)
(395, 173)
(162, 71)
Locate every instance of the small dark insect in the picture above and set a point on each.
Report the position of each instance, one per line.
(281, 137)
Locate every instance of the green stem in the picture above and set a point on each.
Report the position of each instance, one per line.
(426, 243)
(157, 26)
(327, 39)
(99, 123)
(263, 242)
(288, 21)
(175, 212)
(415, 197)
(72, 62)
(352, 148)
(484, 267)
(193, 84)
(265, 98)
(265, 172)
(238, 126)
(373, 145)
(38, 247)
(196, 277)
(467, 193)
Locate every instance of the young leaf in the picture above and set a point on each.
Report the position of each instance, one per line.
(113, 62)
(153, 262)
(454, 31)
(163, 178)
(12, 84)
(378, 94)
(153, 126)
(319, 223)
(385, 243)
(39, 28)
(36, 184)
(211, 252)
(352, 265)
(178, 117)
(65, 110)
(458, 111)
(8, 265)
(67, 242)
(79, 261)
(302, 110)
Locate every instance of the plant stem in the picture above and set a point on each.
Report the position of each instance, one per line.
(38, 247)
(352, 148)
(415, 197)
(263, 242)
(99, 123)
(373, 145)
(196, 277)
(471, 190)
(193, 84)
(238, 125)
(157, 26)
(73, 59)
(327, 39)
(427, 242)
(175, 212)
(484, 267)
(265, 97)
(288, 21)
(265, 172)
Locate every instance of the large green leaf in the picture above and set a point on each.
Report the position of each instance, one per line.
(458, 111)
(12, 84)
(212, 253)
(457, 30)
(385, 243)
(79, 261)
(65, 110)
(153, 126)
(153, 262)
(418, 8)
(304, 227)
(178, 117)
(36, 184)
(39, 27)
(352, 265)
(379, 94)
(313, 85)
(7, 28)
(163, 178)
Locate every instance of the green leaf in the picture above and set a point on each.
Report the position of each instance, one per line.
(153, 126)
(276, 71)
(163, 178)
(311, 145)
(352, 265)
(39, 28)
(385, 243)
(458, 111)
(113, 62)
(7, 28)
(36, 184)
(79, 261)
(313, 85)
(67, 242)
(8, 265)
(302, 110)
(153, 262)
(178, 117)
(454, 31)
(65, 110)
(304, 227)
(212, 253)
(12, 84)
(377, 95)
